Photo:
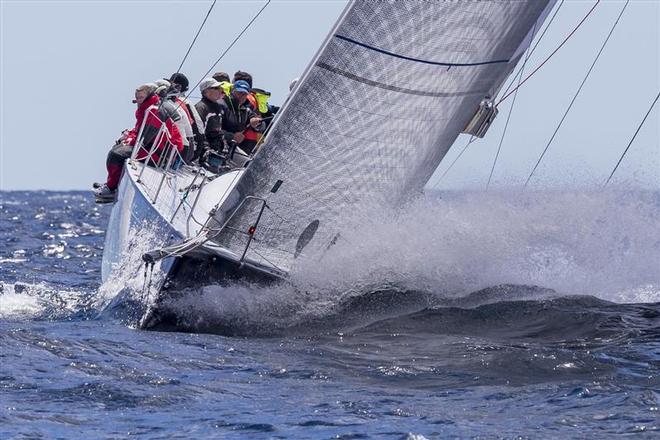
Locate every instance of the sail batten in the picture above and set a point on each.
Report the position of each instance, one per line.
(378, 108)
(417, 60)
(394, 88)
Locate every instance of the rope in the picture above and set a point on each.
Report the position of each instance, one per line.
(247, 26)
(472, 139)
(221, 56)
(196, 35)
(568, 109)
(160, 104)
(519, 72)
(508, 117)
(517, 75)
(553, 52)
(632, 139)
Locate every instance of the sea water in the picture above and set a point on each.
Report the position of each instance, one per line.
(466, 314)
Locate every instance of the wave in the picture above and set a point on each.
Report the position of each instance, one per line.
(505, 313)
(40, 301)
(447, 249)
(441, 250)
(605, 244)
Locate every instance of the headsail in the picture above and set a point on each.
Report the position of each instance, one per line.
(372, 117)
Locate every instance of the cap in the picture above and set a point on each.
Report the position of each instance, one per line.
(208, 83)
(242, 86)
(148, 88)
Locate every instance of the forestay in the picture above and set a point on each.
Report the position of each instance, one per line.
(378, 108)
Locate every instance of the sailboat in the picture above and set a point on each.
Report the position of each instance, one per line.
(375, 112)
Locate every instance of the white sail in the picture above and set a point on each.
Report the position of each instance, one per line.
(372, 117)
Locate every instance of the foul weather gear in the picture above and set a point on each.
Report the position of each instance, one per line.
(237, 120)
(212, 114)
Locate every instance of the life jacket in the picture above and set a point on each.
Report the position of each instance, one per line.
(249, 133)
(261, 98)
(258, 99)
(226, 87)
(252, 100)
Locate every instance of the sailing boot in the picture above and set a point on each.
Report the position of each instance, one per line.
(104, 194)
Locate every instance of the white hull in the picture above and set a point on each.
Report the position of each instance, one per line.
(145, 217)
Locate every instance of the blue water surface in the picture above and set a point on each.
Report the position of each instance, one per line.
(502, 356)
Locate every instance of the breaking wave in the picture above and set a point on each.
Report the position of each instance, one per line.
(446, 246)
(130, 289)
(450, 249)
(605, 244)
(41, 301)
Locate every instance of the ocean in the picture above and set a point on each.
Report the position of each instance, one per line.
(502, 314)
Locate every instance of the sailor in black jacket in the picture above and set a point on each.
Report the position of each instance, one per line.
(240, 116)
(212, 111)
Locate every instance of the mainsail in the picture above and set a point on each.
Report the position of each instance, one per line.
(386, 96)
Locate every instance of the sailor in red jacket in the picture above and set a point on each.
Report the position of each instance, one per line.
(152, 114)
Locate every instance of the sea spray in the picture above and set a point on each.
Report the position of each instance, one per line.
(131, 289)
(446, 247)
(605, 244)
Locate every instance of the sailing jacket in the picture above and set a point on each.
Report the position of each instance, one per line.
(185, 121)
(212, 115)
(237, 120)
(153, 116)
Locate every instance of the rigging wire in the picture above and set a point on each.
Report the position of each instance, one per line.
(185, 57)
(451, 165)
(210, 237)
(632, 140)
(519, 72)
(247, 26)
(517, 75)
(196, 35)
(552, 53)
(513, 103)
(499, 146)
(568, 109)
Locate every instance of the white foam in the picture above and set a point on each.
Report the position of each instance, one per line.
(38, 301)
(16, 305)
(577, 243)
(605, 244)
(128, 274)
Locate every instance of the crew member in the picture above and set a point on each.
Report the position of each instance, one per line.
(169, 95)
(212, 110)
(240, 117)
(150, 118)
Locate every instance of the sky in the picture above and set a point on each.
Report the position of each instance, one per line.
(69, 70)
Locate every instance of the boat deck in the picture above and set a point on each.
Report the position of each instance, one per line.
(183, 197)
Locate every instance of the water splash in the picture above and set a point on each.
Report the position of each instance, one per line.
(131, 289)
(605, 244)
(20, 301)
(452, 249)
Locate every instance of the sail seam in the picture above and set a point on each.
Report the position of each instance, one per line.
(370, 82)
(418, 60)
